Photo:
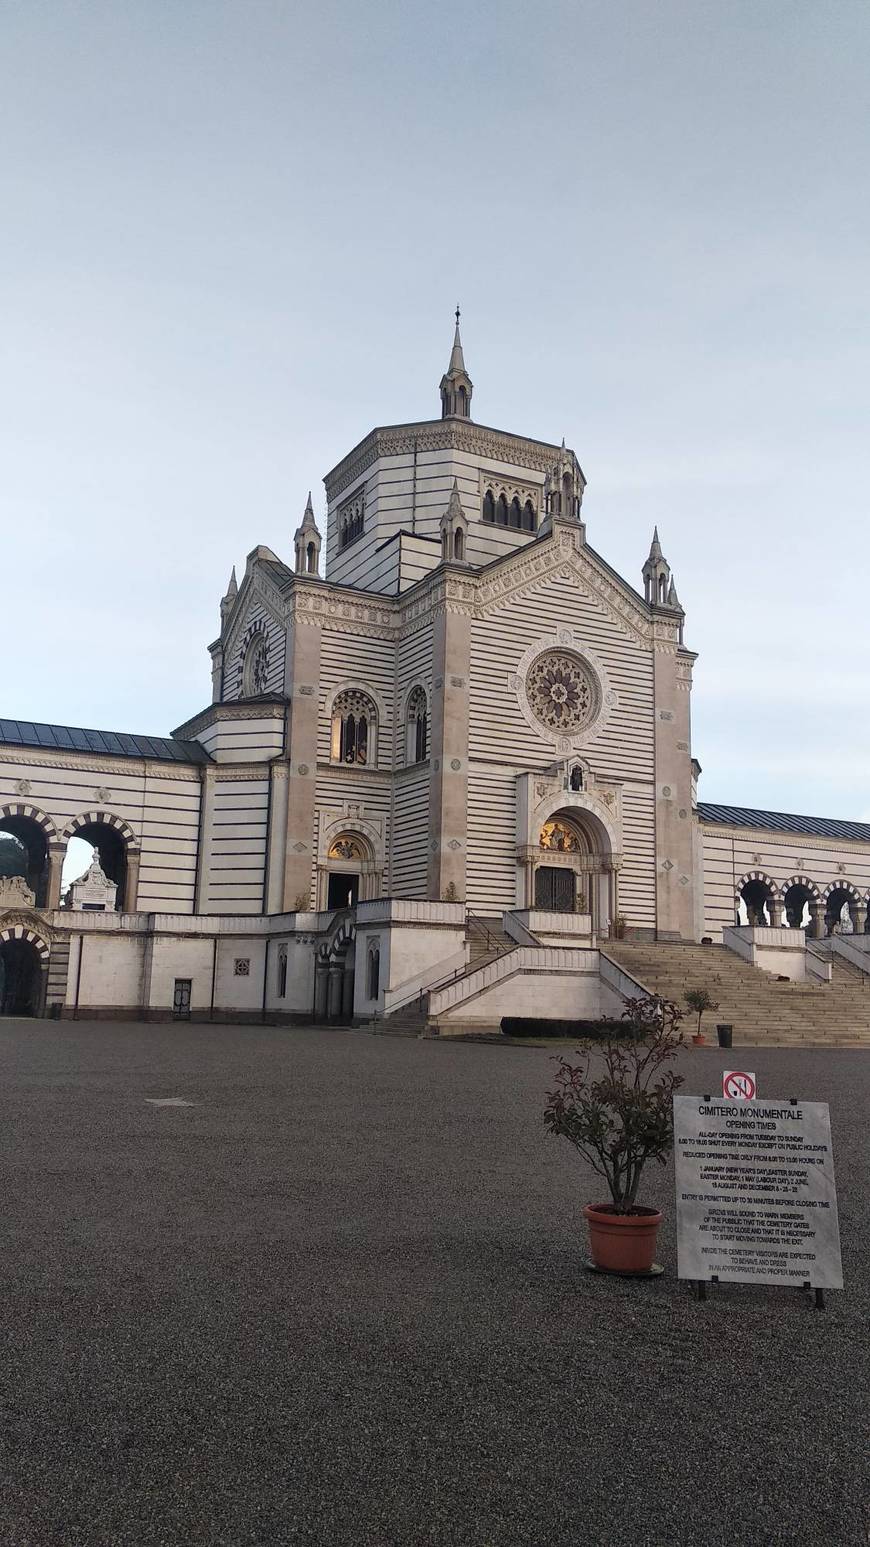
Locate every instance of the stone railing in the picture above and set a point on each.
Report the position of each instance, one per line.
(773, 949)
(410, 910)
(414, 988)
(542, 959)
(541, 922)
(617, 978)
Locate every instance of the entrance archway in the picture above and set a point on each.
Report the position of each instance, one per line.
(760, 899)
(572, 867)
(24, 849)
(116, 848)
(23, 971)
(334, 971)
(348, 872)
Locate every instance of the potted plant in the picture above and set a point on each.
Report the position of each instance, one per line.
(699, 1000)
(619, 1114)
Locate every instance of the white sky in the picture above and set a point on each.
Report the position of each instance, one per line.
(232, 239)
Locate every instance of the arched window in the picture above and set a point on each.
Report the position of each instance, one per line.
(348, 847)
(458, 543)
(354, 729)
(462, 402)
(311, 553)
(567, 494)
(488, 506)
(561, 838)
(515, 517)
(374, 975)
(529, 522)
(282, 973)
(445, 545)
(501, 511)
(416, 744)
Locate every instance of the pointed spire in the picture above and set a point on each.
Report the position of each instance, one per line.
(306, 541)
(456, 385)
(454, 504)
(655, 547)
(457, 359)
(229, 596)
(673, 599)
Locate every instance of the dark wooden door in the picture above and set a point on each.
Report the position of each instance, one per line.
(181, 999)
(554, 889)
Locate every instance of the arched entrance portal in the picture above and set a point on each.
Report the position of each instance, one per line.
(573, 869)
(349, 872)
(23, 972)
(334, 973)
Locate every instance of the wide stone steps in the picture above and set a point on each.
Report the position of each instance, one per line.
(759, 1007)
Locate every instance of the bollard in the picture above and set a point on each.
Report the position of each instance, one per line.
(724, 1034)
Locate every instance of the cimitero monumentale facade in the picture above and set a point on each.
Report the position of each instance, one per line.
(456, 767)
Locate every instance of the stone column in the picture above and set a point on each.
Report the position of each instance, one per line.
(301, 684)
(448, 803)
(347, 993)
(277, 849)
(774, 908)
(817, 920)
(321, 973)
(858, 914)
(55, 871)
(675, 878)
(333, 991)
(131, 884)
(207, 777)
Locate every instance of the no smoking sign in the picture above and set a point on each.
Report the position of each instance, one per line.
(738, 1085)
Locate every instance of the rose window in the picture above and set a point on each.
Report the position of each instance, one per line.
(562, 692)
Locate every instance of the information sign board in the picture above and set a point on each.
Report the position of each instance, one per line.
(756, 1197)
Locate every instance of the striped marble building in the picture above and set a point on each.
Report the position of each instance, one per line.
(472, 728)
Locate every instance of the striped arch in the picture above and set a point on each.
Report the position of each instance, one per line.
(804, 883)
(339, 941)
(106, 819)
(758, 875)
(846, 887)
(22, 932)
(22, 808)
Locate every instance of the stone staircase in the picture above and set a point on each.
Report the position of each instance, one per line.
(487, 942)
(762, 1010)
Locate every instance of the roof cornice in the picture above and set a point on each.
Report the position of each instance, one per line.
(452, 434)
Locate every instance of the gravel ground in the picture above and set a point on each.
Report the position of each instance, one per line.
(340, 1299)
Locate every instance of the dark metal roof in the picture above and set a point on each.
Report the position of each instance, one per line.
(783, 822)
(69, 738)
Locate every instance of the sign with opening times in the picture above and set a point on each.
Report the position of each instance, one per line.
(756, 1197)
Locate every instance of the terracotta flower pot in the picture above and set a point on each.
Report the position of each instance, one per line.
(622, 1243)
(699, 1039)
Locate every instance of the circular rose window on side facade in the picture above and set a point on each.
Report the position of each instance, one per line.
(562, 692)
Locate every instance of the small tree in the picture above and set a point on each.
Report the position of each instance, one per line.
(699, 1000)
(624, 1118)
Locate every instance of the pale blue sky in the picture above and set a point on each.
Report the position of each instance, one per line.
(232, 239)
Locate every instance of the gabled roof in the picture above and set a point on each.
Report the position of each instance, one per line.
(783, 822)
(70, 738)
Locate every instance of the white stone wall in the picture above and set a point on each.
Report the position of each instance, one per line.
(502, 744)
(159, 801)
(731, 853)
